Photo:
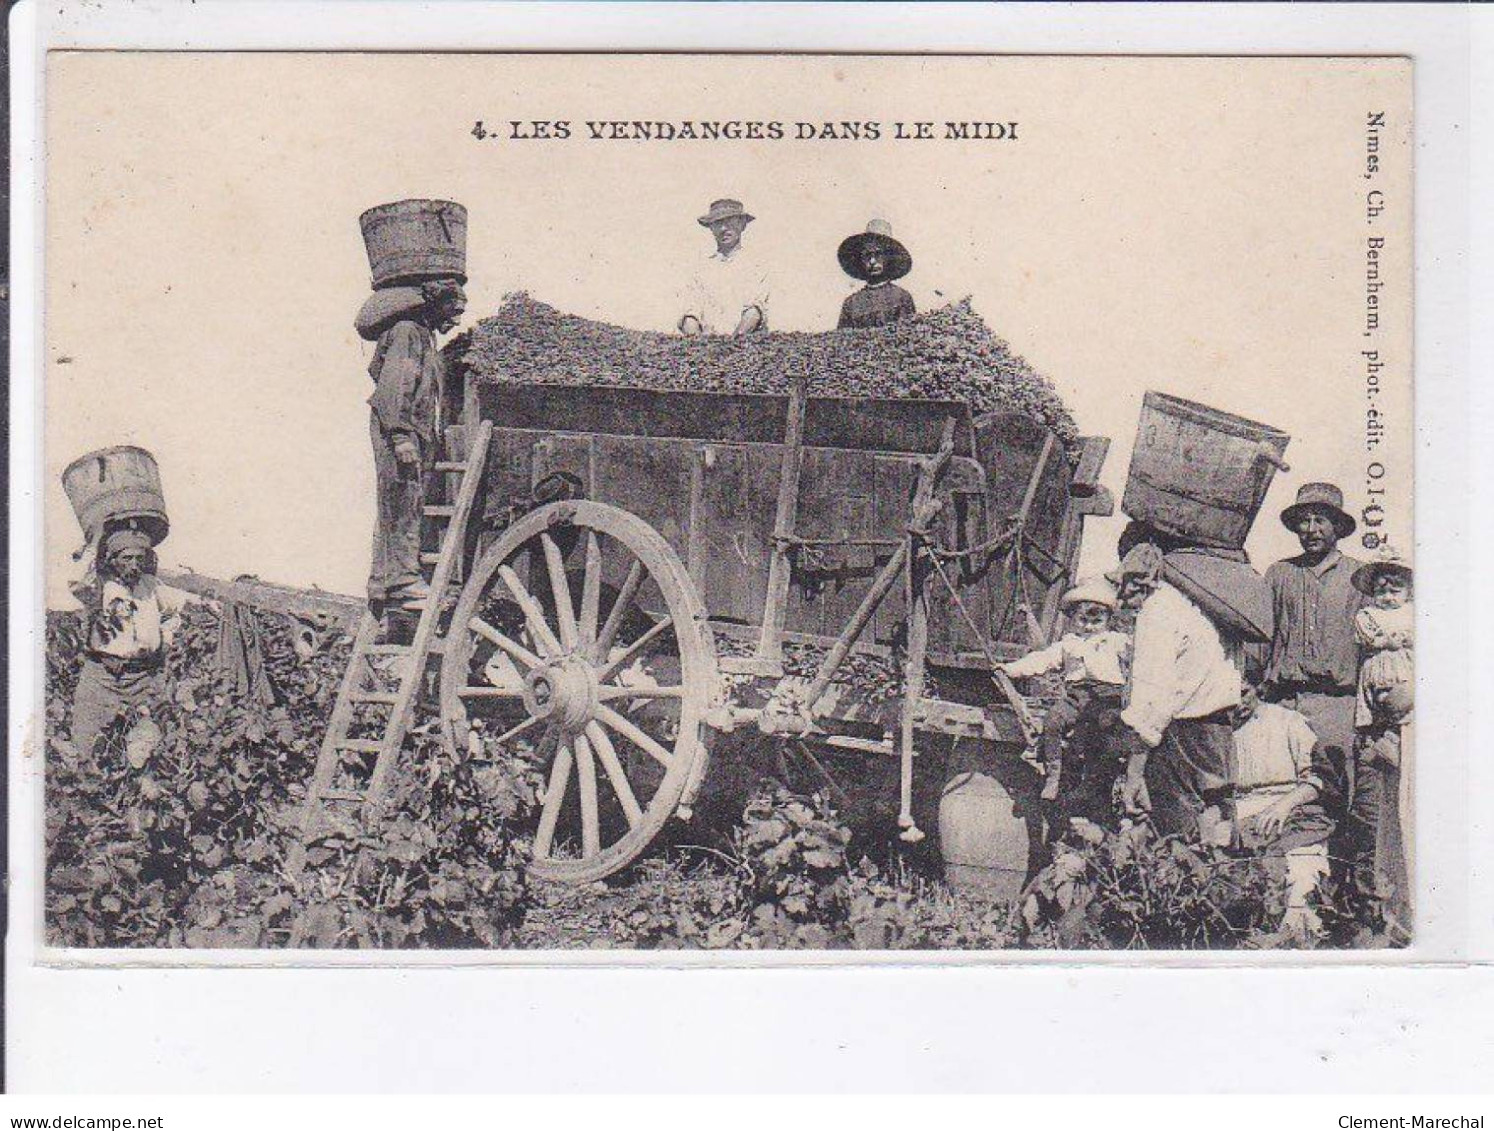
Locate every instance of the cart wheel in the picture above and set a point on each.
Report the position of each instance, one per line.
(580, 629)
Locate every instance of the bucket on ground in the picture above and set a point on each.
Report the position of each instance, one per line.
(1199, 473)
(114, 484)
(411, 241)
(984, 842)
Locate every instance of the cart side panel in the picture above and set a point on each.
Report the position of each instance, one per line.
(835, 494)
(892, 502)
(910, 426)
(733, 522)
(1010, 447)
(961, 525)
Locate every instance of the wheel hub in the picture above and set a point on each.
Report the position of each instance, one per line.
(565, 692)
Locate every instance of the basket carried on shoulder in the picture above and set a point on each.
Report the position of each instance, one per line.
(1199, 473)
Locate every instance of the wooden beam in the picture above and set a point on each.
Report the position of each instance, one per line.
(268, 596)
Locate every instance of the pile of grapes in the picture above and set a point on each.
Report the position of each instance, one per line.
(945, 354)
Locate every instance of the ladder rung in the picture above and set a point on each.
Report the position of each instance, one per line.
(450, 465)
(438, 510)
(342, 795)
(429, 557)
(388, 649)
(373, 697)
(360, 745)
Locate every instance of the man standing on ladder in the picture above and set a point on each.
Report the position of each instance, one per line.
(417, 254)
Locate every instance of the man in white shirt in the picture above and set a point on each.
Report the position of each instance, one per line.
(1281, 777)
(729, 293)
(1184, 686)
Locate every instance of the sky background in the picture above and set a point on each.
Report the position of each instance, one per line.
(1191, 226)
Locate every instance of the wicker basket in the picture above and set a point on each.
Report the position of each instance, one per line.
(414, 240)
(114, 484)
(1199, 473)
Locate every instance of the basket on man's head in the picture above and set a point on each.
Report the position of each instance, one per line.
(117, 486)
(415, 241)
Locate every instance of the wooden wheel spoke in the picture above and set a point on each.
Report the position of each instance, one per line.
(636, 735)
(607, 754)
(609, 578)
(619, 610)
(513, 732)
(610, 691)
(613, 666)
(534, 615)
(512, 648)
(480, 692)
(586, 775)
(560, 776)
(591, 591)
(560, 589)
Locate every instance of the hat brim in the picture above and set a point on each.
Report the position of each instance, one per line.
(1086, 599)
(899, 262)
(707, 220)
(1363, 578)
(1343, 524)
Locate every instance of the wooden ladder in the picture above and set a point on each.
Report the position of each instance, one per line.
(366, 684)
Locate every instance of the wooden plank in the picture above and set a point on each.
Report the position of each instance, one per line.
(1009, 444)
(273, 598)
(892, 503)
(785, 522)
(738, 493)
(907, 425)
(835, 502)
(650, 479)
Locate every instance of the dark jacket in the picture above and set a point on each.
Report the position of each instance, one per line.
(406, 369)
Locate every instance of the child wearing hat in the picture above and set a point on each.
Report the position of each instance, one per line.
(1384, 630)
(1093, 658)
(875, 258)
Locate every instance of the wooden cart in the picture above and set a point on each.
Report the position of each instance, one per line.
(639, 571)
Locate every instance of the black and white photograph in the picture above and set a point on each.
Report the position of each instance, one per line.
(728, 503)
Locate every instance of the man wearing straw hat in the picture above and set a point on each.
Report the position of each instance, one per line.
(1314, 660)
(877, 259)
(417, 255)
(729, 293)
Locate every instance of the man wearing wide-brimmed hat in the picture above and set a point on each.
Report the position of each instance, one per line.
(1314, 662)
(877, 259)
(729, 292)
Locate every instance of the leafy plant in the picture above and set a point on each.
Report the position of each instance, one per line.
(795, 880)
(1133, 889)
(186, 844)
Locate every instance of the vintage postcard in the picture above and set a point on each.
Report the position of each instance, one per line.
(728, 503)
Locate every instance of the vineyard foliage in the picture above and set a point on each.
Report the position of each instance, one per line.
(189, 848)
(183, 842)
